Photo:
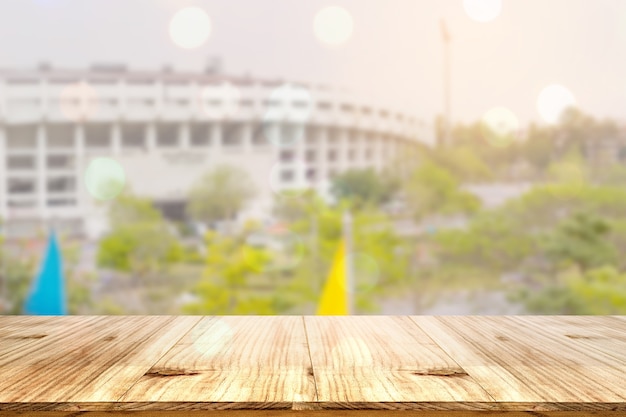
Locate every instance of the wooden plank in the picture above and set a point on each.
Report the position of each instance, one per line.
(378, 361)
(519, 364)
(602, 338)
(95, 364)
(255, 362)
(21, 336)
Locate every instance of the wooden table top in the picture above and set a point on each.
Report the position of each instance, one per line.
(268, 365)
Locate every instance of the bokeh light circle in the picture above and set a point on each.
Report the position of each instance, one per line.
(190, 27)
(288, 109)
(105, 178)
(78, 101)
(552, 101)
(220, 101)
(482, 10)
(210, 338)
(333, 25)
(500, 127)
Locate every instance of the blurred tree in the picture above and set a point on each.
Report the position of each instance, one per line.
(232, 267)
(220, 194)
(139, 242)
(570, 169)
(364, 186)
(433, 190)
(580, 240)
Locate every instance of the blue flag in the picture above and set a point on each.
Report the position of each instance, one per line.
(47, 294)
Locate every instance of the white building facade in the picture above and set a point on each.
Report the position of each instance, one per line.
(167, 129)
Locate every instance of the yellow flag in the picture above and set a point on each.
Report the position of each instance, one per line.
(334, 301)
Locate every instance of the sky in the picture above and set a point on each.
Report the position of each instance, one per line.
(394, 53)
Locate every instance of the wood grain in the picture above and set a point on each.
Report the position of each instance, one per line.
(318, 366)
(260, 361)
(374, 359)
(522, 360)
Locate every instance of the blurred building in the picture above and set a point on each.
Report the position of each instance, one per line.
(168, 128)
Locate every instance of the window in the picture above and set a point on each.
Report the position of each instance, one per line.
(21, 162)
(61, 202)
(310, 156)
(333, 136)
(61, 184)
(287, 176)
(98, 136)
(167, 135)
(60, 161)
(200, 135)
(286, 156)
(21, 137)
(60, 136)
(332, 155)
(232, 135)
(21, 185)
(133, 136)
(323, 105)
(351, 154)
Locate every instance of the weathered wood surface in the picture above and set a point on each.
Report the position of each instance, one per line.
(270, 365)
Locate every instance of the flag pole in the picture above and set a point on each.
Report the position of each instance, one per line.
(347, 237)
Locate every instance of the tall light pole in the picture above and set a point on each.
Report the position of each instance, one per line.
(347, 236)
(445, 36)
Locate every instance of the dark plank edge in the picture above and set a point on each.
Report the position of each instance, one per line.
(453, 406)
(310, 413)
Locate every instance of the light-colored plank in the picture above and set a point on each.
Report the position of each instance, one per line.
(93, 364)
(256, 362)
(517, 362)
(600, 338)
(21, 337)
(378, 359)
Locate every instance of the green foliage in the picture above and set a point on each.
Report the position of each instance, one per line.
(232, 268)
(433, 190)
(364, 186)
(580, 240)
(570, 169)
(220, 194)
(140, 241)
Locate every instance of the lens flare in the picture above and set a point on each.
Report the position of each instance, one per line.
(333, 25)
(105, 178)
(211, 338)
(289, 105)
(500, 127)
(553, 101)
(482, 10)
(190, 28)
(78, 101)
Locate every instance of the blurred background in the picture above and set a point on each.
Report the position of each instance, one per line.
(210, 156)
